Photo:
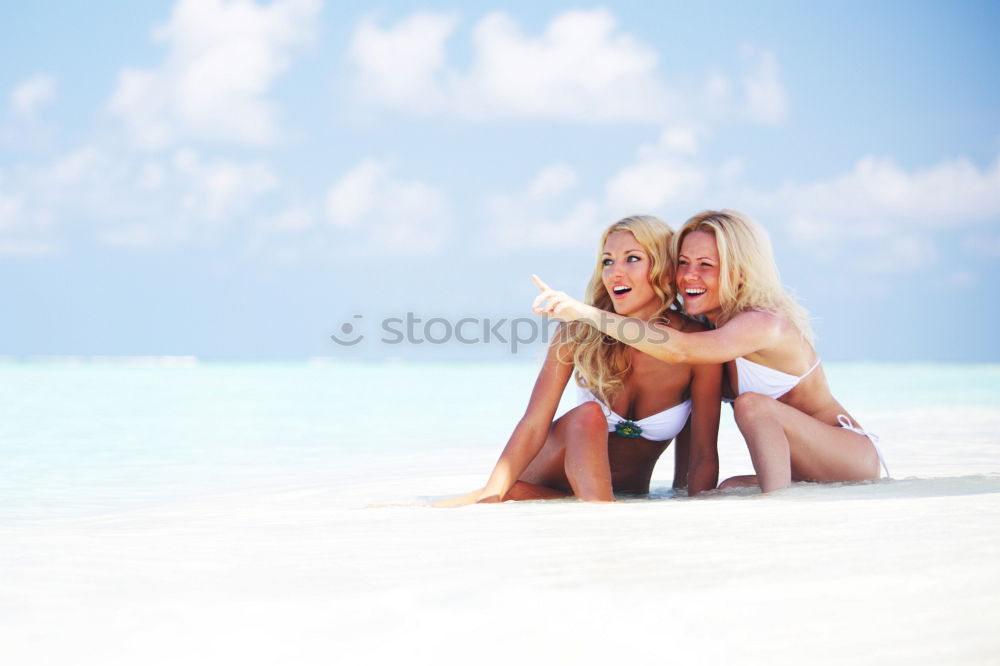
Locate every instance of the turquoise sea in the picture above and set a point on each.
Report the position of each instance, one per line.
(166, 510)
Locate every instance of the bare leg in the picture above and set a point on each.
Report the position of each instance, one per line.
(573, 460)
(766, 439)
(588, 469)
(682, 457)
(787, 444)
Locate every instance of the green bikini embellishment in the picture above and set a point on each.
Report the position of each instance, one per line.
(628, 429)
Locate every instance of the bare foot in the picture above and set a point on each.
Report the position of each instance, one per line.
(746, 481)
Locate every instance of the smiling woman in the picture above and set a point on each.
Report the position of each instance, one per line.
(792, 424)
(698, 275)
(631, 405)
(626, 276)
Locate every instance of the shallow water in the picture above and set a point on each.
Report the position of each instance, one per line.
(216, 514)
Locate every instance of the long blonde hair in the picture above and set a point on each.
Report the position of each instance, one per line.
(748, 276)
(602, 363)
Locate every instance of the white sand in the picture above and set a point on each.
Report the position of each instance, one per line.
(291, 569)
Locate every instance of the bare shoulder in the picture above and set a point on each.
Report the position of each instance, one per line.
(773, 323)
(780, 342)
(769, 322)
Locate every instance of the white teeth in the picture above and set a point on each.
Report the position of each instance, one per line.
(695, 292)
(620, 289)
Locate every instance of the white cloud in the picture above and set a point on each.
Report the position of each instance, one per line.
(22, 126)
(755, 94)
(74, 182)
(31, 95)
(400, 64)
(878, 215)
(355, 195)
(399, 216)
(222, 59)
(879, 196)
(664, 172)
(119, 199)
(581, 67)
(23, 231)
(764, 94)
(651, 184)
(98, 183)
(516, 227)
(549, 213)
(80, 166)
(544, 214)
(674, 140)
(552, 181)
(889, 215)
(216, 189)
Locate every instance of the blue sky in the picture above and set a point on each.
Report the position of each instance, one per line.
(237, 179)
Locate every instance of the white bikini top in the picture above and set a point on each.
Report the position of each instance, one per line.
(657, 427)
(757, 378)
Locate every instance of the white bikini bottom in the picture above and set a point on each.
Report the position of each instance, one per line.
(845, 422)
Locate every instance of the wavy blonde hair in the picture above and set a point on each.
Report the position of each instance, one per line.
(602, 363)
(748, 276)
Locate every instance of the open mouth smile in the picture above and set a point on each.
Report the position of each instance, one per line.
(619, 291)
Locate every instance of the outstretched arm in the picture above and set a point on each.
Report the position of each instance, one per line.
(529, 435)
(744, 334)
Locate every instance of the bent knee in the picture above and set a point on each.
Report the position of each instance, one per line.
(751, 405)
(587, 415)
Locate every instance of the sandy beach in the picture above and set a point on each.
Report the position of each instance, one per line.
(210, 551)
